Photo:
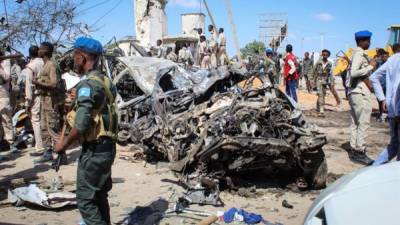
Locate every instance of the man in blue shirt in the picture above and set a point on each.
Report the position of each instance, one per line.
(391, 102)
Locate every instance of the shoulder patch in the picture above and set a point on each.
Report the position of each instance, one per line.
(84, 92)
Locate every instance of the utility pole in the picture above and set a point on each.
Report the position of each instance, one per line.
(233, 28)
(210, 15)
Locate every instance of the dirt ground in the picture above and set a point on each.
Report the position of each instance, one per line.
(151, 187)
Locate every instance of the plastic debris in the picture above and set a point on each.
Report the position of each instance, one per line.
(34, 195)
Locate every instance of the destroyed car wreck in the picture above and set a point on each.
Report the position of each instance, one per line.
(211, 129)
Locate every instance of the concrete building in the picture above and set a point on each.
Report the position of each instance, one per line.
(150, 21)
(190, 22)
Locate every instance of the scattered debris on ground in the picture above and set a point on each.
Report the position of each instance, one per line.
(34, 195)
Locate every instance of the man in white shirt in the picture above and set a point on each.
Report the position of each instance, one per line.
(391, 102)
(159, 50)
(185, 56)
(32, 100)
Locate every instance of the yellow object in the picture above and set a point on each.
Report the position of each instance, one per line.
(342, 63)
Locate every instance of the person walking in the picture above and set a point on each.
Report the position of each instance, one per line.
(322, 79)
(290, 73)
(307, 71)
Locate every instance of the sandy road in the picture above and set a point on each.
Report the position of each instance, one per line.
(150, 187)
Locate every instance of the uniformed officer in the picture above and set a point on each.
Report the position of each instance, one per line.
(360, 97)
(47, 85)
(322, 78)
(204, 52)
(213, 45)
(222, 55)
(94, 122)
(307, 70)
(6, 132)
(32, 101)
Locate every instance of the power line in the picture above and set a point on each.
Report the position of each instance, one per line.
(108, 12)
(93, 6)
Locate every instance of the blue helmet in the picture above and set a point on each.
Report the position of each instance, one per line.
(268, 51)
(88, 45)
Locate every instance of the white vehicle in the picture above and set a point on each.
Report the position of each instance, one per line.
(369, 196)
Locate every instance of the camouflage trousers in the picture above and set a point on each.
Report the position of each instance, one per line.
(321, 92)
(50, 121)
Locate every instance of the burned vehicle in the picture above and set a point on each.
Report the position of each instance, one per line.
(212, 129)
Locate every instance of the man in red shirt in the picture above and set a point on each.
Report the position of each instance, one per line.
(290, 73)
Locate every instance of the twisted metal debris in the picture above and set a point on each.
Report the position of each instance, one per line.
(211, 129)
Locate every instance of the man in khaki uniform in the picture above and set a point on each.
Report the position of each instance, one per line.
(204, 52)
(47, 85)
(222, 55)
(197, 54)
(32, 100)
(322, 78)
(360, 97)
(6, 132)
(213, 45)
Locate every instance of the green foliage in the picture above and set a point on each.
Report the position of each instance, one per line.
(253, 47)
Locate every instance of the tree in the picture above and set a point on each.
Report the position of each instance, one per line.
(36, 21)
(252, 47)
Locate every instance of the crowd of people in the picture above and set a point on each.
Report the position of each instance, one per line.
(92, 119)
(362, 78)
(206, 53)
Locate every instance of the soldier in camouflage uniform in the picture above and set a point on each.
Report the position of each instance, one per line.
(322, 78)
(307, 69)
(93, 121)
